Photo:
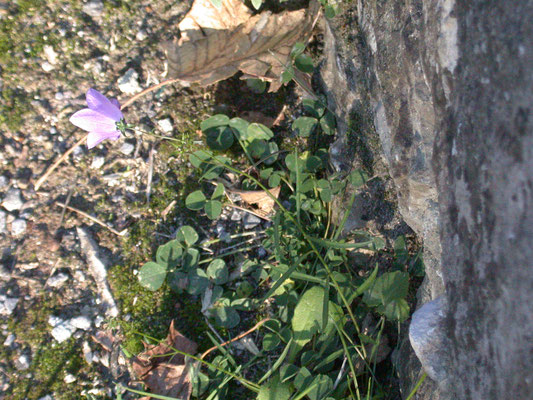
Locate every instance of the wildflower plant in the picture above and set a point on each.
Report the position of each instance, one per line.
(315, 301)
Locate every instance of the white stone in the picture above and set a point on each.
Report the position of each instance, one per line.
(7, 305)
(94, 8)
(47, 397)
(63, 331)
(10, 339)
(428, 340)
(13, 200)
(127, 148)
(57, 280)
(50, 54)
(250, 221)
(128, 83)
(141, 35)
(69, 378)
(165, 125)
(18, 227)
(3, 181)
(97, 162)
(81, 322)
(47, 67)
(23, 362)
(3, 223)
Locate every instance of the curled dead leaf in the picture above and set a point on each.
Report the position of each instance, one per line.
(260, 198)
(216, 43)
(167, 375)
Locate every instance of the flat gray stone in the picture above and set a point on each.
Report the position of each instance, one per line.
(13, 200)
(57, 280)
(3, 222)
(18, 227)
(94, 8)
(250, 221)
(128, 83)
(127, 148)
(8, 305)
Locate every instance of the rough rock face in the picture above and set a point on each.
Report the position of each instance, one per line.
(447, 88)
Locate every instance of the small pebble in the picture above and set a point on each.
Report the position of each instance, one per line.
(13, 200)
(63, 331)
(7, 305)
(165, 125)
(10, 339)
(81, 322)
(94, 8)
(47, 397)
(22, 363)
(69, 378)
(3, 222)
(141, 35)
(50, 54)
(18, 227)
(97, 162)
(57, 280)
(3, 181)
(59, 96)
(236, 215)
(250, 221)
(47, 67)
(127, 148)
(128, 83)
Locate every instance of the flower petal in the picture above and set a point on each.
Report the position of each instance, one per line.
(98, 102)
(115, 103)
(95, 138)
(91, 120)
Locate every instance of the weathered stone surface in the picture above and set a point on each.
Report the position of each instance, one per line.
(484, 164)
(446, 88)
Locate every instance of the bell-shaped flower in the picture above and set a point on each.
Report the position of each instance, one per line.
(100, 119)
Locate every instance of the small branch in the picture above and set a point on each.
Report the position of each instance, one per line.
(257, 326)
(150, 174)
(43, 178)
(83, 214)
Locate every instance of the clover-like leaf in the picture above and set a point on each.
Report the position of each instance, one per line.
(169, 254)
(213, 209)
(304, 126)
(219, 138)
(152, 275)
(186, 234)
(218, 271)
(195, 201)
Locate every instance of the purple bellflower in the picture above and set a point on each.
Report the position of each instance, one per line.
(103, 119)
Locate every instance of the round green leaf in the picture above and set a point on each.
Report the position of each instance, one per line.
(328, 123)
(240, 127)
(258, 86)
(257, 148)
(313, 163)
(297, 49)
(397, 310)
(226, 317)
(219, 138)
(314, 107)
(177, 281)
(244, 289)
(303, 126)
(199, 157)
(217, 271)
(198, 281)
(187, 234)
(329, 11)
(274, 180)
(259, 131)
(195, 200)
(214, 121)
(218, 194)
(152, 275)
(274, 389)
(304, 63)
(293, 163)
(272, 149)
(213, 209)
(169, 254)
(270, 341)
(190, 258)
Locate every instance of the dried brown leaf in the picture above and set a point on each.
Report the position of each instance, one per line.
(260, 198)
(216, 43)
(166, 374)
